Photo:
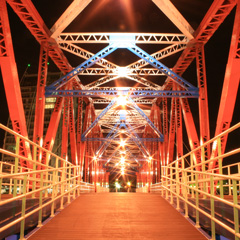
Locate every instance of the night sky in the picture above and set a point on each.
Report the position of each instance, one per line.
(128, 16)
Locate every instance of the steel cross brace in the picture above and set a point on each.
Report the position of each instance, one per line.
(110, 105)
(136, 140)
(146, 118)
(155, 63)
(98, 152)
(86, 64)
(126, 140)
(115, 93)
(107, 144)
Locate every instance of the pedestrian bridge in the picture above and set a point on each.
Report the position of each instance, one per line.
(52, 202)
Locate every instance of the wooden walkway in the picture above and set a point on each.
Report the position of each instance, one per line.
(118, 216)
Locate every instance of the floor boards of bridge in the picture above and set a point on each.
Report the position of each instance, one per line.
(118, 216)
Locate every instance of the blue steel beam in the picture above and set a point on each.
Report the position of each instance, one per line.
(126, 140)
(155, 63)
(110, 105)
(86, 64)
(116, 93)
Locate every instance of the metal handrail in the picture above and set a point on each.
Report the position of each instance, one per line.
(196, 182)
(51, 182)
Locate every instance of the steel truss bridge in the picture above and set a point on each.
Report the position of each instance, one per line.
(122, 120)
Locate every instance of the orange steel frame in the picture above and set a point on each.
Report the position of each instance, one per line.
(81, 152)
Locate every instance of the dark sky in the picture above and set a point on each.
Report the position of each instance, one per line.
(128, 16)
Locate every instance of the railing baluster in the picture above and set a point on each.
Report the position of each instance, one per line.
(22, 227)
(212, 208)
(16, 166)
(235, 210)
(40, 201)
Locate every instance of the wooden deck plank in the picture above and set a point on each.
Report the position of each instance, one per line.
(118, 216)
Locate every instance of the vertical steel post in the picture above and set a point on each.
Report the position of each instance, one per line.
(235, 210)
(203, 98)
(40, 201)
(16, 166)
(197, 201)
(34, 169)
(23, 208)
(40, 96)
(212, 208)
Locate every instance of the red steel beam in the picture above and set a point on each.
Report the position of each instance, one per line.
(11, 83)
(179, 131)
(72, 132)
(40, 95)
(172, 130)
(165, 128)
(65, 123)
(52, 128)
(203, 98)
(33, 21)
(230, 86)
(216, 14)
(191, 130)
(29, 15)
(79, 126)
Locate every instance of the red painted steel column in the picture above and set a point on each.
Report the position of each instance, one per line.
(179, 133)
(165, 129)
(11, 83)
(40, 95)
(158, 144)
(40, 98)
(203, 98)
(83, 144)
(230, 86)
(64, 150)
(52, 128)
(79, 127)
(72, 132)
(191, 129)
(172, 131)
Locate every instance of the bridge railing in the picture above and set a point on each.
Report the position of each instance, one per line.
(142, 189)
(203, 193)
(55, 183)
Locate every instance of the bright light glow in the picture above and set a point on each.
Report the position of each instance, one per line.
(117, 185)
(122, 143)
(41, 142)
(123, 152)
(98, 184)
(122, 72)
(122, 172)
(94, 158)
(122, 100)
(150, 158)
(122, 160)
(129, 184)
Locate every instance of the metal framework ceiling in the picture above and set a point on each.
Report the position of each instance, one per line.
(125, 121)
